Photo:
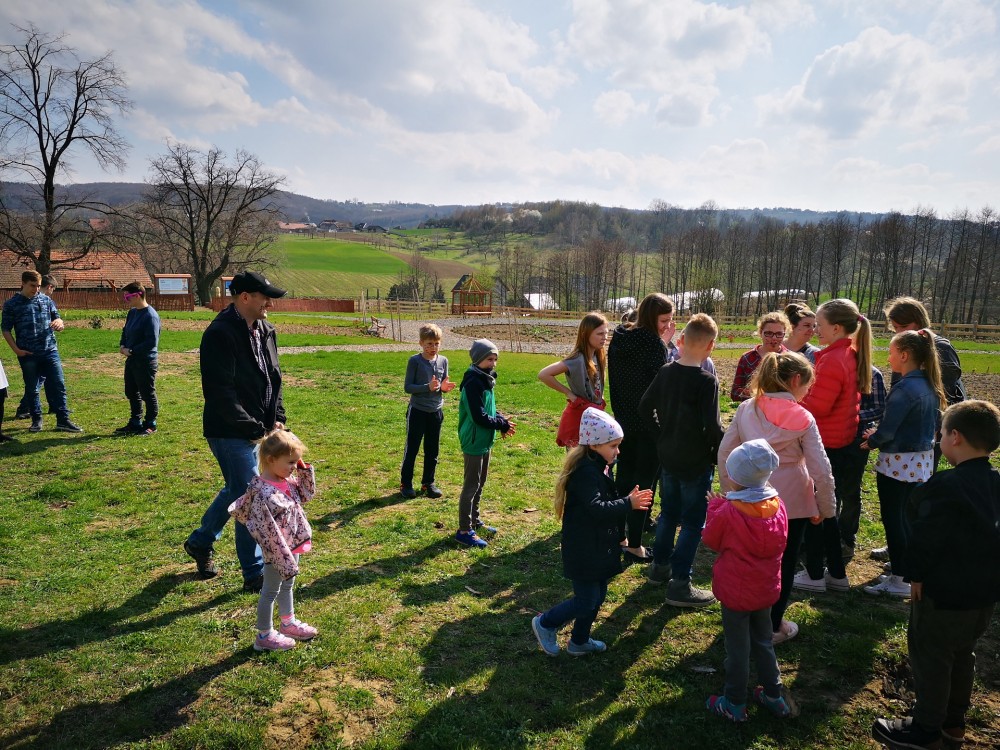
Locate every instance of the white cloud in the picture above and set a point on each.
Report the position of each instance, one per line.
(879, 79)
(989, 146)
(615, 108)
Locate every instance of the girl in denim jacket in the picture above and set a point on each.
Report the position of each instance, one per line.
(905, 440)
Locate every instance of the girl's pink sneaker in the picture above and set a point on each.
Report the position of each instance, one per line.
(273, 641)
(298, 630)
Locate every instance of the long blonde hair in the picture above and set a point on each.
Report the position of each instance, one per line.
(590, 323)
(920, 346)
(573, 459)
(844, 313)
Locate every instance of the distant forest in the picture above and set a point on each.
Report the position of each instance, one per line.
(743, 261)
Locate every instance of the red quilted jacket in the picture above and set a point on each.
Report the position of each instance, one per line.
(834, 398)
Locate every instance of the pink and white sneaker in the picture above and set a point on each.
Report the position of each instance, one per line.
(272, 641)
(298, 630)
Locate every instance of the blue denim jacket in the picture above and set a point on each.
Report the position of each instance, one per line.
(911, 416)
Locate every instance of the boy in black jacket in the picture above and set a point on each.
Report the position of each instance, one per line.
(954, 561)
(682, 406)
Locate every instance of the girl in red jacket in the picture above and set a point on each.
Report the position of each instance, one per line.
(749, 528)
(843, 373)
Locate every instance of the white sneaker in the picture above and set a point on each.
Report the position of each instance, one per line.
(891, 586)
(836, 584)
(803, 582)
(785, 632)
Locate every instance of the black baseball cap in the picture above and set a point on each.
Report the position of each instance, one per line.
(250, 282)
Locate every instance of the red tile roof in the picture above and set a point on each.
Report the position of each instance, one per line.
(96, 270)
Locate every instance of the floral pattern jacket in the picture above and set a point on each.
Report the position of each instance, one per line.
(275, 520)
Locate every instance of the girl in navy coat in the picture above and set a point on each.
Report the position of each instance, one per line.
(591, 513)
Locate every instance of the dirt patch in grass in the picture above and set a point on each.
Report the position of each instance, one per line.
(529, 333)
(173, 324)
(332, 707)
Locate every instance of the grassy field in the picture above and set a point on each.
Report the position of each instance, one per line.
(107, 639)
(332, 267)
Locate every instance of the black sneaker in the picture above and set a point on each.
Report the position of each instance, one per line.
(203, 559)
(23, 415)
(897, 734)
(408, 492)
(148, 428)
(6, 438)
(431, 490)
(253, 585)
(132, 428)
(67, 426)
(36, 425)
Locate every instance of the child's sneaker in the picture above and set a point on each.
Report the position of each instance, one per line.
(777, 706)
(721, 705)
(482, 528)
(785, 632)
(298, 630)
(891, 586)
(582, 649)
(408, 492)
(273, 641)
(546, 636)
(900, 733)
(680, 593)
(803, 582)
(431, 490)
(836, 584)
(469, 539)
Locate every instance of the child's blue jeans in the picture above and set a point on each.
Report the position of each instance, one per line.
(684, 504)
(582, 609)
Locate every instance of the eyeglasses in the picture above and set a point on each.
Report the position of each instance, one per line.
(773, 334)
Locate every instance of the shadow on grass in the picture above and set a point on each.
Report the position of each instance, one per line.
(18, 448)
(136, 717)
(339, 518)
(513, 692)
(100, 624)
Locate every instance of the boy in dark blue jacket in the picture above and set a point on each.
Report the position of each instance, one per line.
(953, 558)
(139, 341)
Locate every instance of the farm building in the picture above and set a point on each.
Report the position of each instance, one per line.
(541, 301)
(97, 270)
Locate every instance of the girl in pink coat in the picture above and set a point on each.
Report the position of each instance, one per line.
(272, 511)
(803, 478)
(748, 528)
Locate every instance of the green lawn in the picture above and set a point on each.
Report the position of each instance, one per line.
(108, 640)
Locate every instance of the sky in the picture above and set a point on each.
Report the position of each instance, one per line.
(863, 105)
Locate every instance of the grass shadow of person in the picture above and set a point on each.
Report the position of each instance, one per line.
(336, 519)
(505, 689)
(101, 624)
(17, 447)
(138, 716)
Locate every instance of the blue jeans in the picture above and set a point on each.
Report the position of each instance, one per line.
(44, 365)
(582, 609)
(238, 460)
(684, 504)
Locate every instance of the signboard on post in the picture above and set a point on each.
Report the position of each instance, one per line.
(172, 283)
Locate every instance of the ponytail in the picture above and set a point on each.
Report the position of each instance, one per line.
(844, 313)
(573, 459)
(776, 370)
(921, 347)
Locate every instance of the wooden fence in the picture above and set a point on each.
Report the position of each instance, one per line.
(109, 300)
(294, 304)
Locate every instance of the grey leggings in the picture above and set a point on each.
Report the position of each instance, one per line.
(274, 588)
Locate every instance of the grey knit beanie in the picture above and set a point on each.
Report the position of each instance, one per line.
(481, 349)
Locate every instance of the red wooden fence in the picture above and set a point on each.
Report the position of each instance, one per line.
(109, 300)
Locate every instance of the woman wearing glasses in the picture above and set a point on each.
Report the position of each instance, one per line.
(772, 329)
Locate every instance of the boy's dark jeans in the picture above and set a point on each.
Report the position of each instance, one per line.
(943, 660)
(425, 426)
(848, 465)
(684, 504)
(140, 387)
(582, 609)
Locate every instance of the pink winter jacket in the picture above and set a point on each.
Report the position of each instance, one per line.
(275, 520)
(803, 478)
(834, 398)
(750, 539)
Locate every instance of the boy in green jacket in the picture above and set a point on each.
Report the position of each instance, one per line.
(478, 424)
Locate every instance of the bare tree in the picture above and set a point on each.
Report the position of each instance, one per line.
(51, 104)
(215, 213)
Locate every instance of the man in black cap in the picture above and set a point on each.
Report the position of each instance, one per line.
(242, 386)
